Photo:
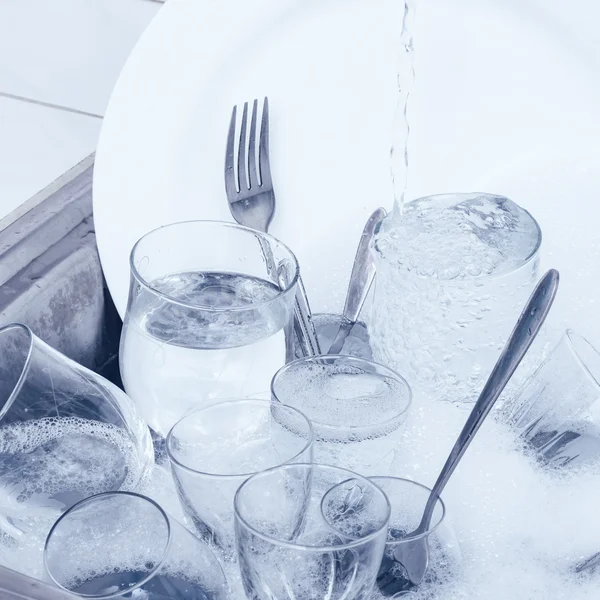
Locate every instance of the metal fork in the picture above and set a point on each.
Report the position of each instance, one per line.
(251, 197)
(249, 187)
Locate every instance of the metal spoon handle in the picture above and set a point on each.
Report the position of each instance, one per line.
(528, 326)
(588, 563)
(363, 269)
(361, 278)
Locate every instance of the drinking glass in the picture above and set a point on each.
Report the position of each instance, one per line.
(358, 409)
(65, 434)
(407, 499)
(210, 315)
(124, 545)
(557, 410)
(453, 274)
(215, 449)
(286, 547)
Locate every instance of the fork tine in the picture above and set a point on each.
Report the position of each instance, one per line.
(230, 170)
(252, 172)
(264, 164)
(242, 157)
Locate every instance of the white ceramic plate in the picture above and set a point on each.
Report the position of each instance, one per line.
(506, 98)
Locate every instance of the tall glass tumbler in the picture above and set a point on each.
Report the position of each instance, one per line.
(65, 434)
(453, 274)
(557, 410)
(215, 449)
(358, 409)
(210, 315)
(287, 548)
(124, 545)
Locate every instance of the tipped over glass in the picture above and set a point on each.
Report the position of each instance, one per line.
(557, 410)
(124, 545)
(65, 434)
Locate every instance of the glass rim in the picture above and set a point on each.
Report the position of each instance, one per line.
(24, 370)
(230, 401)
(524, 262)
(103, 496)
(303, 547)
(351, 359)
(205, 308)
(416, 484)
(576, 342)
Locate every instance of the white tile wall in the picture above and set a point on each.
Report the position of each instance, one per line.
(66, 53)
(37, 145)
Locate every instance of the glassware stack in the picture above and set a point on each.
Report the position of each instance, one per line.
(283, 467)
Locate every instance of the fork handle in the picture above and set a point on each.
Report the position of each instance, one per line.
(305, 328)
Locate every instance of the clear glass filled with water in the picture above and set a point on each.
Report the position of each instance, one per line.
(453, 274)
(124, 545)
(210, 315)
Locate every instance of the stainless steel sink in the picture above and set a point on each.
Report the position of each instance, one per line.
(51, 280)
(14, 586)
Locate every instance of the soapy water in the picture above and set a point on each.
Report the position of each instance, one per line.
(108, 547)
(453, 276)
(46, 465)
(357, 416)
(521, 528)
(393, 582)
(334, 575)
(116, 570)
(321, 565)
(164, 586)
(341, 396)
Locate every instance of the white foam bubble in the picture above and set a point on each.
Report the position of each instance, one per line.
(521, 528)
(459, 237)
(342, 395)
(45, 457)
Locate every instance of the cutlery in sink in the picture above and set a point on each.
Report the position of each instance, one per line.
(414, 554)
(590, 563)
(361, 279)
(251, 198)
